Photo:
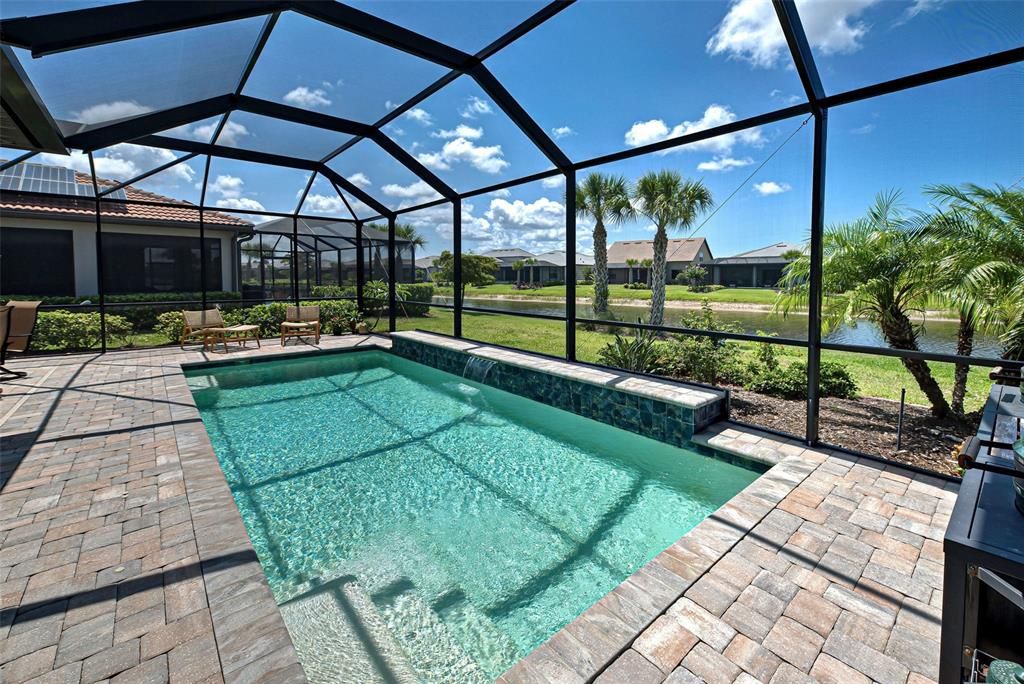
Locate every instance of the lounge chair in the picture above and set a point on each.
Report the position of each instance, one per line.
(209, 326)
(301, 321)
(20, 323)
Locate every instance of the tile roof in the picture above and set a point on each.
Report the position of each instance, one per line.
(115, 211)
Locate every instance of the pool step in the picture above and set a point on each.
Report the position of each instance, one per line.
(487, 643)
(431, 647)
(340, 637)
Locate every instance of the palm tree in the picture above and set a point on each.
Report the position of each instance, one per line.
(517, 266)
(530, 262)
(632, 263)
(647, 263)
(874, 268)
(671, 202)
(605, 199)
(983, 269)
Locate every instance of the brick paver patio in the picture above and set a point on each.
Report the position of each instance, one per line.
(123, 557)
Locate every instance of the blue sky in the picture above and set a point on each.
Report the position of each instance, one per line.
(602, 76)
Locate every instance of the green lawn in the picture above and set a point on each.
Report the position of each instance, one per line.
(676, 293)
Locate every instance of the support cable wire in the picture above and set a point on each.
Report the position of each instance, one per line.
(744, 182)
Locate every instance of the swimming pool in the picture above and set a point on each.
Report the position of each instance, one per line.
(417, 526)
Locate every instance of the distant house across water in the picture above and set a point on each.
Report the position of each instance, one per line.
(682, 252)
(760, 267)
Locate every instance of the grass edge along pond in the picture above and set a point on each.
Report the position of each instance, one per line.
(881, 377)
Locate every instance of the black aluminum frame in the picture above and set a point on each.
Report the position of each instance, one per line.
(58, 32)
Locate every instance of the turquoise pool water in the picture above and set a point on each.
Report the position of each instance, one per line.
(417, 526)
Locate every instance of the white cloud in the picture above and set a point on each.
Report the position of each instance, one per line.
(554, 181)
(720, 163)
(389, 105)
(324, 204)
(110, 111)
(917, 8)
(504, 192)
(771, 188)
(656, 130)
(230, 135)
(751, 30)
(418, 190)
(562, 132)
(863, 130)
(460, 131)
(242, 203)
(227, 186)
(124, 161)
(475, 107)
(360, 180)
(777, 94)
(434, 160)
(488, 159)
(306, 97)
(420, 116)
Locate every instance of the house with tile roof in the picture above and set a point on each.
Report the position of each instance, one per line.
(48, 243)
(682, 252)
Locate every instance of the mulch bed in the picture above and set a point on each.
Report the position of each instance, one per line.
(867, 425)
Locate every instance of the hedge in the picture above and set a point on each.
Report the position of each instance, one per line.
(335, 318)
(70, 331)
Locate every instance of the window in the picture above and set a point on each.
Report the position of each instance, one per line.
(23, 250)
(158, 263)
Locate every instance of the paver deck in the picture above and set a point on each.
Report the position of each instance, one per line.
(123, 557)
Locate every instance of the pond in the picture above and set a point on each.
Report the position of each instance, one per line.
(938, 336)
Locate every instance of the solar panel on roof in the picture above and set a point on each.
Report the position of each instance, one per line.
(50, 180)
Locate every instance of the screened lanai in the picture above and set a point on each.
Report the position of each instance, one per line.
(299, 141)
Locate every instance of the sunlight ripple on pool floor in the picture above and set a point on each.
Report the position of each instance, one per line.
(416, 526)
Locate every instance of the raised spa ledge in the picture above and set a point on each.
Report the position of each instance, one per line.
(681, 394)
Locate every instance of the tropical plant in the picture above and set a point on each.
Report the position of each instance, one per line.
(605, 199)
(517, 266)
(631, 263)
(637, 353)
(671, 202)
(792, 254)
(983, 267)
(646, 264)
(694, 276)
(477, 270)
(703, 358)
(874, 268)
(531, 262)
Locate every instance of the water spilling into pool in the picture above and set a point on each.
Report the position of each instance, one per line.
(418, 526)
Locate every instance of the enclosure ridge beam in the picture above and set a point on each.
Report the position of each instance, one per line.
(51, 33)
(353, 189)
(227, 152)
(91, 138)
(382, 31)
(524, 27)
(519, 116)
(800, 49)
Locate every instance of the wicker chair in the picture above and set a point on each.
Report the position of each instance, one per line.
(20, 322)
(301, 321)
(207, 326)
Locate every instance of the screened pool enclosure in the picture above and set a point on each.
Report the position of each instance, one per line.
(137, 93)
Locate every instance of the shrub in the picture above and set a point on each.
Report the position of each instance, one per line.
(637, 286)
(268, 317)
(791, 382)
(418, 298)
(332, 291)
(638, 353)
(170, 324)
(338, 317)
(705, 359)
(71, 331)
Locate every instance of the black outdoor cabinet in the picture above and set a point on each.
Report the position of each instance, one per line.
(983, 583)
